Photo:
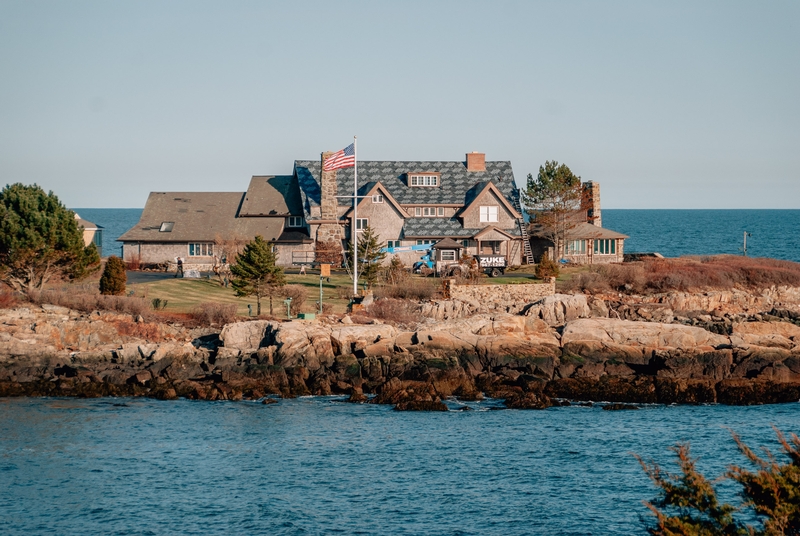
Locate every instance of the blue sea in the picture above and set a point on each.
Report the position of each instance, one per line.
(322, 466)
(673, 233)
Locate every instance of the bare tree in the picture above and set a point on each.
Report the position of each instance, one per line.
(554, 199)
(225, 250)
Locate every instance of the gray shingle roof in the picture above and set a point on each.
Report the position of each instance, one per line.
(581, 231)
(441, 227)
(272, 194)
(456, 184)
(201, 216)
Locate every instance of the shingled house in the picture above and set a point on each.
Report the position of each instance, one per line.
(587, 242)
(474, 202)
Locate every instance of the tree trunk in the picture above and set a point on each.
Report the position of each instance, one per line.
(258, 305)
(270, 305)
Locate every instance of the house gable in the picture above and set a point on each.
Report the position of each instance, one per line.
(489, 196)
(493, 233)
(368, 198)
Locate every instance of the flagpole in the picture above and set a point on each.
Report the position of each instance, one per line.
(355, 217)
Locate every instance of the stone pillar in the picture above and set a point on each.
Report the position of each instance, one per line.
(591, 202)
(328, 204)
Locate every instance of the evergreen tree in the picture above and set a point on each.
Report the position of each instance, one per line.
(546, 267)
(40, 239)
(113, 280)
(555, 202)
(688, 503)
(369, 256)
(255, 273)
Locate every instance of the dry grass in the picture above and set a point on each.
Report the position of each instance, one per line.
(212, 313)
(687, 274)
(416, 288)
(87, 301)
(393, 311)
(8, 300)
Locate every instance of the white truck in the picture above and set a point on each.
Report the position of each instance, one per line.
(491, 265)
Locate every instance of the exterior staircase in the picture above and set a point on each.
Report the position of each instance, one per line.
(527, 254)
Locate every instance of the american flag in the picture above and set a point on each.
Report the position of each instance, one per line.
(344, 158)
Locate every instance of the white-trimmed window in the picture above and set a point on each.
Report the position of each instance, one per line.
(423, 179)
(377, 198)
(425, 241)
(361, 224)
(448, 255)
(166, 227)
(440, 211)
(417, 211)
(201, 250)
(489, 214)
(576, 247)
(295, 221)
(605, 246)
(429, 211)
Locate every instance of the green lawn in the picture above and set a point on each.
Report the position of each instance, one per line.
(184, 294)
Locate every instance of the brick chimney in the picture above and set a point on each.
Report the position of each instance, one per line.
(476, 161)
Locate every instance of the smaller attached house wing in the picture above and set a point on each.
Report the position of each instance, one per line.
(585, 244)
(187, 225)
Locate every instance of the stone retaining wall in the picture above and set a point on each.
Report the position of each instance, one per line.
(528, 292)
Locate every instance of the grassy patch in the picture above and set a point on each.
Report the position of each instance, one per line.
(183, 295)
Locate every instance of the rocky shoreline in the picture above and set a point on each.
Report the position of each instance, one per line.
(676, 349)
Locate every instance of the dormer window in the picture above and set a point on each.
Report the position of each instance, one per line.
(166, 227)
(377, 198)
(428, 211)
(423, 179)
(295, 221)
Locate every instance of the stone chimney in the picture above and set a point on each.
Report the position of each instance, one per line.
(328, 193)
(328, 203)
(591, 202)
(476, 161)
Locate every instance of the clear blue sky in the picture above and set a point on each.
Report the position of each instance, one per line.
(672, 104)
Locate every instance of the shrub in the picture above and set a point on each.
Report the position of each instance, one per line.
(158, 304)
(688, 503)
(590, 282)
(134, 262)
(211, 313)
(87, 302)
(298, 295)
(686, 274)
(113, 280)
(414, 289)
(546, 268)
(8, 300)
(396, 272)
(393, 310)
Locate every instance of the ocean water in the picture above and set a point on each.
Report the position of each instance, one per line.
(773, 233)
(322, 466)
(115, 222)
